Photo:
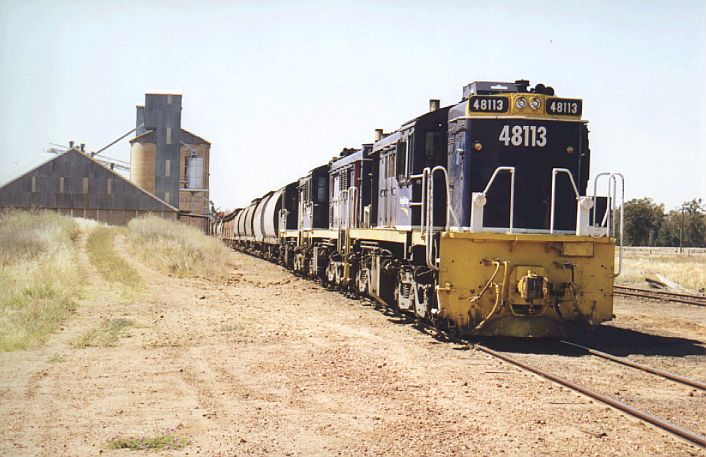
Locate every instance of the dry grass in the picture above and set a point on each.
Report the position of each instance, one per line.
(106, 335)
(177, 248)
(39, 277)
(108, 263)
(687, 271)
(167, 441)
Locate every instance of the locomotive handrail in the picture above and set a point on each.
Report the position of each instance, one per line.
(622, 215)
(595, 195)
(609, 221)
(283, 213)
(483, 194)
(341, 198)
(555, 172)
(352, 207)
(431, 262)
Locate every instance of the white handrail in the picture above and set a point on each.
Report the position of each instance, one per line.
(622, 215)
(595, 195)
(497, 171)
(352, 217)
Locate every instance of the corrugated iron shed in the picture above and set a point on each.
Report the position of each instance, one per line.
(75, 184)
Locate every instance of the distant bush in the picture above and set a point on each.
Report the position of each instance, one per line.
(39, 281)
(177, 248)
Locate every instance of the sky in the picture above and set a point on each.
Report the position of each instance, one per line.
(279, 87)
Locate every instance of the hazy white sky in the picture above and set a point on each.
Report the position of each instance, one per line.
(280, 87)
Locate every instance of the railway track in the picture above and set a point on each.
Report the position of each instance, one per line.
(623, 361)
(683, 433)
(661, 423)
(660, 295)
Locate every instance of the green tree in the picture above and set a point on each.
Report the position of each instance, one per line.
(643, 218)
(685, 226)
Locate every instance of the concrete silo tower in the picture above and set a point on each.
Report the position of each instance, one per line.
(169, 161)
(155, 163)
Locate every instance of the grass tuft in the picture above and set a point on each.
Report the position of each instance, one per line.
(148, 443)
(177, 248)
(108, 263)
(106, 335)
(57, 358)
(39, 278)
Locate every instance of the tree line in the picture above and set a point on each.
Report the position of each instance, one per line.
(647, 224)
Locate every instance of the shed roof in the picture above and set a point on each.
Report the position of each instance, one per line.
(45, 193)
(186, 137)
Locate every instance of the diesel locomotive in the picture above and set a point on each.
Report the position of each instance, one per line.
(478, 217)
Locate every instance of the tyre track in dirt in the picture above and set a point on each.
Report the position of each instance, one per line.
(263, 363)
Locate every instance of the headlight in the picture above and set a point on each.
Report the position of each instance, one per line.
(535, 103)
(521, 103)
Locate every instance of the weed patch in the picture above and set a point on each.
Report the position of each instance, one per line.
(39, 278)
(159, 442)
(177, 248)
(106, 335)
(108, 263)
(230, 327)
(56, 358)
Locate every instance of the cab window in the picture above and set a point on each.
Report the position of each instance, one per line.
(433, 147)
(321, 189)
(401, 159)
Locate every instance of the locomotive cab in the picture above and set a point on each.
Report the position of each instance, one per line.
(522, 258)
(313, 199)
(400, 159)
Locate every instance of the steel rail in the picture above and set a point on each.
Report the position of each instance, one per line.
(630, 363)
(661, 295)
(658, 422)
(683, 433)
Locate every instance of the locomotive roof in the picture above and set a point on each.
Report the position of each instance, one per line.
(354, 157)
(395, 136)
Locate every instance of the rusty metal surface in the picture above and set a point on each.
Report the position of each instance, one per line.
(660, 295)
(642, 415)
(630, 363)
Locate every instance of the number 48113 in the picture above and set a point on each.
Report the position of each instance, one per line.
(523, 135)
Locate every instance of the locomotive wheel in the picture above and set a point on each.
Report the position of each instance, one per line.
(361, 281)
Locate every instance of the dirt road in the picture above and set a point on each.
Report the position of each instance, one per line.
(268, 364)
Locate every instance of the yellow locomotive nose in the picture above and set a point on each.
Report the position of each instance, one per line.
(533, 286)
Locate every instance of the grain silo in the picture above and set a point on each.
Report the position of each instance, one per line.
(169, 161)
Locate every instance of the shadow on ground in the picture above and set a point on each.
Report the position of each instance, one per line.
(613, 340)
(607, 338)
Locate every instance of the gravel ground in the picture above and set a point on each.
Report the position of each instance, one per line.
(269, 364)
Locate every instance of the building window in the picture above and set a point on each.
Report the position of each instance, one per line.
(34, 184)
(169, 135)
(109, 190)
(167, 168)
(61, 185)
(166, 197)
(85, 185)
